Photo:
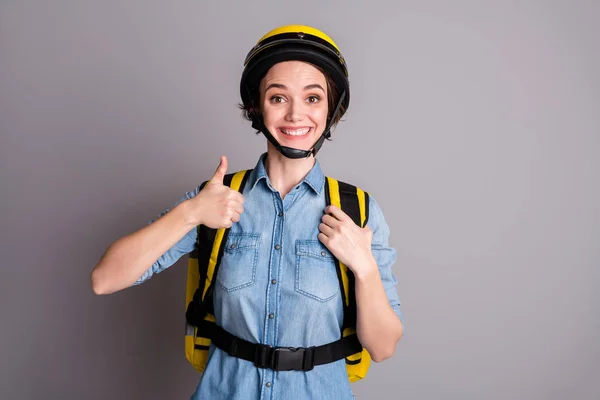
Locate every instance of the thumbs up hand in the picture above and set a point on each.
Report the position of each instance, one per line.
(218, 206)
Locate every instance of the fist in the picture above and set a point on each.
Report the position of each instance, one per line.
(218, 205)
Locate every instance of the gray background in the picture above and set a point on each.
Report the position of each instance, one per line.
(474, 124)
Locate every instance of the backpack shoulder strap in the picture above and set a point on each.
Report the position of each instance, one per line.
(355, 202)
(209, 249)
(215, 239)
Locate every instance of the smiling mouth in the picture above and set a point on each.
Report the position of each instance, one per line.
(296, 132)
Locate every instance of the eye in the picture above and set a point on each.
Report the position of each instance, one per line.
(276, 99)
(313, 99)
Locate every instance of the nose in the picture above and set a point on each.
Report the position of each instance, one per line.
(294, 111)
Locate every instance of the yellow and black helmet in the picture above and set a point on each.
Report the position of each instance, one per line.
(298, 43)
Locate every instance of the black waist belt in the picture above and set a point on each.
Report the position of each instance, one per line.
(281, 358)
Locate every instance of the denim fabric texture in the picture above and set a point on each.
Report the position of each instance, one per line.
(277, 285)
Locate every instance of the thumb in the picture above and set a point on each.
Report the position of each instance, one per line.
(220, 172)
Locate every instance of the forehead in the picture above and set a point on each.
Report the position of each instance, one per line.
(291, 73)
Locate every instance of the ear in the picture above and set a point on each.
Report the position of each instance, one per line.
(254, 112)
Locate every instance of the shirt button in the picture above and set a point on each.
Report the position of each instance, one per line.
(268, 384)
(277, 247)
(323, 253)
(274, 281)
(281, 213)
(271, 316)
(233, 246)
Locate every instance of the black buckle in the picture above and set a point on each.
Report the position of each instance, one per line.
(285, 358)
(294, 359)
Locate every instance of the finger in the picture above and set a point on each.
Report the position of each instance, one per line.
(221, 171)
(323, 238)
(237, 207)
(337, 213)
(324, 228)
(330, 221)
(237, 196)
(235, 217)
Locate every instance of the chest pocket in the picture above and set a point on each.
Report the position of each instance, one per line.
(316, 275)
(238, 265)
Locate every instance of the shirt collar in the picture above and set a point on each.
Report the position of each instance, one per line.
(314, 179)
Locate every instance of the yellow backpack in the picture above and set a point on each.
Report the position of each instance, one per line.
(203, 265)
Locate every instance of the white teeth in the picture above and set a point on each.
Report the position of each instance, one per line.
(296, 132)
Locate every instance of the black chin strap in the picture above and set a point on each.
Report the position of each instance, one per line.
(289, 152)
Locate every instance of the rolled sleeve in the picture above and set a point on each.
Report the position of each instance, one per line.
(184, 246)
(384, 254)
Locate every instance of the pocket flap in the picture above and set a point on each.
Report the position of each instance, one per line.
(313, 248)
(240, 241)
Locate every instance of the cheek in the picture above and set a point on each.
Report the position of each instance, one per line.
(320, 116)
(270, 114)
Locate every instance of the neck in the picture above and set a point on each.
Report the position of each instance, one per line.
(285, 173)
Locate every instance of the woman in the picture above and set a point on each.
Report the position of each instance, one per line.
(294, 90)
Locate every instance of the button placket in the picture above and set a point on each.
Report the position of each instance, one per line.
(275, 266)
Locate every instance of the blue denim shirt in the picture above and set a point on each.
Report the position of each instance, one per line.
(275, 287)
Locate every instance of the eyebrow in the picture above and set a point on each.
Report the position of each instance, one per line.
(307, 87)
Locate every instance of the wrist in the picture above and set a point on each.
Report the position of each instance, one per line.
(366, 269)
(190, 214)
